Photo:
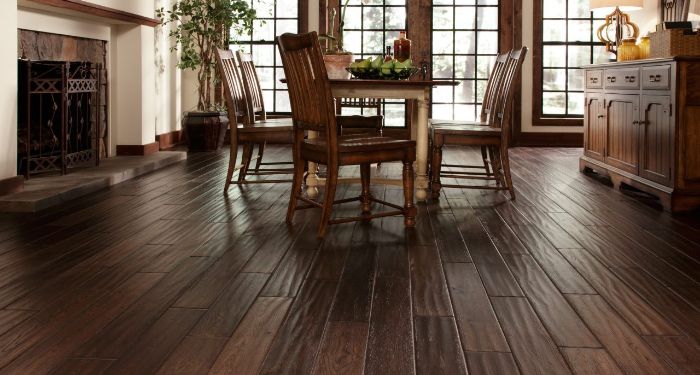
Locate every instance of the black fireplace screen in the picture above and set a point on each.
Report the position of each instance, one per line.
(59, 114)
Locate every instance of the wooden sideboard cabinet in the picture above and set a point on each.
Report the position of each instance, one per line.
(642, 127)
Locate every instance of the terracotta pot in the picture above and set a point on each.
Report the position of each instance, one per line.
(336, 64)
(205, 131)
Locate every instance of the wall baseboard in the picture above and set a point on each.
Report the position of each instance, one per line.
(138, 150)
(169, 140)
(11, 185)
(549, 140)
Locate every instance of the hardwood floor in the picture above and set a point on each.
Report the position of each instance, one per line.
(164, 274)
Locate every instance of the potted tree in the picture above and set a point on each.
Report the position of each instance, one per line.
(202, 26)
(335, 57)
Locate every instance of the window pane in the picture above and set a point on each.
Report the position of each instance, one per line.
(568, 42)
(464, 45)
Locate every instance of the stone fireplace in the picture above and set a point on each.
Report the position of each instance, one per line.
(54, 134)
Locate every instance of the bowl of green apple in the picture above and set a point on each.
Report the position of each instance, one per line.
(377, 68)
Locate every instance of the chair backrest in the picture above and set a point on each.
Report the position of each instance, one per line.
(251, 86)
(233, 87)
(506, 94)
(488, 105)
(310, 93)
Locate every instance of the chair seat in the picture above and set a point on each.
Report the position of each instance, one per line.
(273, 125)
(456, 122)
(359, 143)
(465, 129)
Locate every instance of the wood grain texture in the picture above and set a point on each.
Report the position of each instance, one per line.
(491, 363)
(532, 347)
(438, 349)
(430, 296)
(194, 355)
(682, 352)
(479, 330)
(587, 361)
(390, 342)
(628, 349)
(245, 352)
(343, 349)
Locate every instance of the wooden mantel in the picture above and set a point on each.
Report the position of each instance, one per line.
(99, 11)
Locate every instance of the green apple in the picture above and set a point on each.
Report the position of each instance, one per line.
(400, 66)
(364, 64)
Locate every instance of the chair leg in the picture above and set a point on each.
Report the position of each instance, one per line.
(331, 184)
(408, 207)
(435, 168)
(485, 158)
(299, 168)
(506, 171)
(246, 156)
(261, 150)
(497, 166)
(231, 163)
(364, 197)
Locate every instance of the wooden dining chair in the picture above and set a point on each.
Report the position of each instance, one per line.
(244, 131)
(313, 109)
(255, 108)
(486, 117)
(494, 136)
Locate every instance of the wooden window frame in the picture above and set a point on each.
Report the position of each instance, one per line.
(538, 118)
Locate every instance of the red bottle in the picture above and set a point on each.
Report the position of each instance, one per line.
(402, 47)
(388, 56)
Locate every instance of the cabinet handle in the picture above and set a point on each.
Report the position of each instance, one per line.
(655, 78)
(601, 116)
(594, 80)
(612, 79)
(635, 122)
(632, 79)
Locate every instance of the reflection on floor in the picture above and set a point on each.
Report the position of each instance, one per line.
(164, 274)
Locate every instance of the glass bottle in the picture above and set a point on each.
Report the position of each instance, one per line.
(388, 56)
(644, 47)
(402, 47)
(628, 50)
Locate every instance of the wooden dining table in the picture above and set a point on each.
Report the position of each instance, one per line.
(416, 90)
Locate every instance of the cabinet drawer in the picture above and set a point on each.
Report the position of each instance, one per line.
(594, 79)
(656, 77)
(622, 78)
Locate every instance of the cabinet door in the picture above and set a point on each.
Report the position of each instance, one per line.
(656, 139)
(594, 127)
(622, 148)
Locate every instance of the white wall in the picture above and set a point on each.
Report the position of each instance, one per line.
(142, 7)
(8, 90)
(646, 18)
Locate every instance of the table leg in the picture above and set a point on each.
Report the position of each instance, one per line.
(422, 147)
(312, 175)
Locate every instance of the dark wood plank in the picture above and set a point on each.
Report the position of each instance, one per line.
(533, 348)
(565, 326)
(491, 363)
(390, 342)
(563, 275)
(194, 355)
(438, 349)
(10, 318)
(118, 337)
(353, 299)
(152, 349)
(588, 361)
(81, 366)
(493, 270)
(682, 352)
(639, 314)
(205, 291)
(221, 319)
(296, 345)
(626, 347)
(430, 296)
(343, 349)
(287, 278)
(671, 306)
(449, 240)
(245, 351)
(49, 353)
(479, 329)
